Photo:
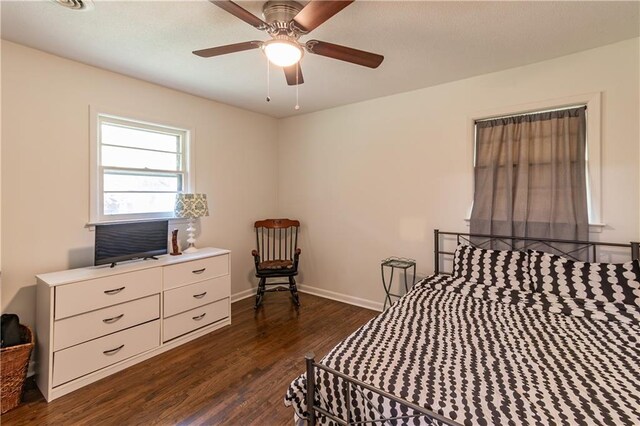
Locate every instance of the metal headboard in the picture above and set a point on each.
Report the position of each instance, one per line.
(525, 243)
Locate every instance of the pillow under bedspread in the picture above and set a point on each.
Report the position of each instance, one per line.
(603, 282)
(500, 268)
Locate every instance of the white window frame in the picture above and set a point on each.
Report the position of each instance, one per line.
(593, 101)
(96, 187)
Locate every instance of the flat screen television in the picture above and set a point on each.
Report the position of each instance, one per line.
(128, 241)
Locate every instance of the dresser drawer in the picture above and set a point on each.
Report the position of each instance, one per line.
(81, 297)
(185, 322)
(193, 295)
(197, 270)
(81, 328)
(77, 361)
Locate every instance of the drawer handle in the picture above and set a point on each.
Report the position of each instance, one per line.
(112, 320)
(113, 351)
(200, 296)
(199, 271)
(199, 317)
(114, 291)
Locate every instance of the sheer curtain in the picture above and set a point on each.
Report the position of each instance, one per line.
(530, 176)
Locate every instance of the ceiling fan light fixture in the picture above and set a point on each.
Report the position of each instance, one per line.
(282, 52)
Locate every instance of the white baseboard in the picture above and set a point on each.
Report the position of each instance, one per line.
(243, 294)
(344, 298)
(327, 294)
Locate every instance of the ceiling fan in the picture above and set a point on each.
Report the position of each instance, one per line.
(286, 21)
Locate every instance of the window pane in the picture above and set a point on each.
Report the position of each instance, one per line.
(127, 203)
(118, 181)
(138, 138)
(126, 157)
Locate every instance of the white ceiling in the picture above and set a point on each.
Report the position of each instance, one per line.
(424, 43)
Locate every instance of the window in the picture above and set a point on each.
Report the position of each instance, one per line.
(591, 157)
(138, 168)
(530, 175)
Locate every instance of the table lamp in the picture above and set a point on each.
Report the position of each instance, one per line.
(191, 206)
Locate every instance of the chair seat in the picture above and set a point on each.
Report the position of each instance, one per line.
(275, 265)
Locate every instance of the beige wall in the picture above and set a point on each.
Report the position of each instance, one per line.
(0, 181)
(373, 179)
(368, 180)
(45, 166)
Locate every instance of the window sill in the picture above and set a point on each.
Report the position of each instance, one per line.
(172, 220)
(594, 228)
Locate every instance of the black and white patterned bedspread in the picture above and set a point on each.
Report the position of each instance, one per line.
(482, 355)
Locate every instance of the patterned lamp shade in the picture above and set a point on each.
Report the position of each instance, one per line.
(191, 206)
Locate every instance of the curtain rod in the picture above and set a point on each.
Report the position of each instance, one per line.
(498, 117)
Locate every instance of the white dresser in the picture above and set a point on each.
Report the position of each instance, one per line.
(93, 322)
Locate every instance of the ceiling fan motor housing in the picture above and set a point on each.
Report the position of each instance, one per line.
(278, 14)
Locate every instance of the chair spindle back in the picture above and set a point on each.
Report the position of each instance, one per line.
(277, 239)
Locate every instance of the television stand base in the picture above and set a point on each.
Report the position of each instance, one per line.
(113, 265)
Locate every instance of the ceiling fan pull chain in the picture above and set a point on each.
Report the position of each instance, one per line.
(297, 107)
(268, 82)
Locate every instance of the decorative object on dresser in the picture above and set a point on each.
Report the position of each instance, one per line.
(93, 322)
(276, 256)
(175, 248)
(191, 206)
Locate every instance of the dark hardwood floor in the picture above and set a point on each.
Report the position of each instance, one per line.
(237, 375)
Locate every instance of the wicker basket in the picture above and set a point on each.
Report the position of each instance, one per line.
(14, 363)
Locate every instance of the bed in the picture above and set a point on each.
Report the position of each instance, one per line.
(509, 337)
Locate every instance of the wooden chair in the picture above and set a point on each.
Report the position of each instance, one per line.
(276, 256)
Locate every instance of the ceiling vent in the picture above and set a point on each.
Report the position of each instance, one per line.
(75, 4)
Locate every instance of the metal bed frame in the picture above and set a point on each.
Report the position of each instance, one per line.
(358, 386)
(476, 240)
(525, 243)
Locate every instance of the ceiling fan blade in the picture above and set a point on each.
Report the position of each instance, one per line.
(290, 74)
(343, 53)
(316, 12)
(229, 48)
(241, 13)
